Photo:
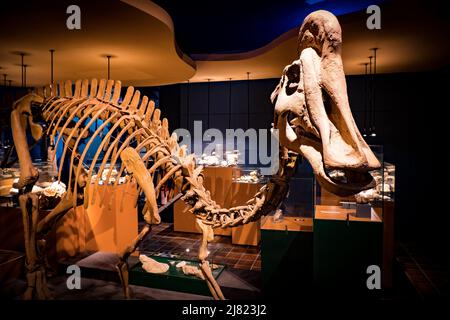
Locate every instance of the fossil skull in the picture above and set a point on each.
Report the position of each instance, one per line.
(313, 114)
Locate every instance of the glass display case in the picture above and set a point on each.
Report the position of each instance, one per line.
(108, 171)
(7, 177)
(368, 202)
(299, 202)
(248, 175)
(306, 195)
(300, 199)
(219, 158)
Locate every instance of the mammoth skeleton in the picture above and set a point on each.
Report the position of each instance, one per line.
(312, 114)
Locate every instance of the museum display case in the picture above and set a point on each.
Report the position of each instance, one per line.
(47, 177)
(108, 173)
(367, 202)
(243, 174)
(300, 200)
(360, 227)
(219, 158)
(7, 177)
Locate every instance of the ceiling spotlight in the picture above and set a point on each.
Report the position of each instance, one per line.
(373, 134)
(187, 250)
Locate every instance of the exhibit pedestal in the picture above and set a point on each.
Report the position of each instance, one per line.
(173, 279)
(109, 225)
(286, 255)
(344, 247)
(388, 244)
(250, 233)
(247, 235)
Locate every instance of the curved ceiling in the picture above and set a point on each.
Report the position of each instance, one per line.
(408, 41)
(236, 26)
(262, 38)
(138, 34)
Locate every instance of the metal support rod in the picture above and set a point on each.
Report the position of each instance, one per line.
(229, 105)
(209, 92)
(248, 100)
(370, 94)
(109, 66)
(365, 98)
(187, 103)
(374, 90)
(25, 75)
(374, 60)
(21, 65)
(4, 79)
(52, 51)
(170, 202)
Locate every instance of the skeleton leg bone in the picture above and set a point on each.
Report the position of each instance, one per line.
(29, 225)
(122, 266)
(135, 165)
(35, 262)
(208, 235)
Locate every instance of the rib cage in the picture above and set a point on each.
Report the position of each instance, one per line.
(133, 122)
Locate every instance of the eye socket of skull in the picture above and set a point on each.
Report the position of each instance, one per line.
(293, 78)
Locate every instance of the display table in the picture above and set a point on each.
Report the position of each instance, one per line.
(344, 246)
(286, 255)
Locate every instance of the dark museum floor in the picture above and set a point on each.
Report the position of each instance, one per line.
(165, 241)
(417, 274)
(425, 271)
(240, 280)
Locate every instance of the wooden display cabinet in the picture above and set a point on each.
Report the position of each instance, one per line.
(109, 225)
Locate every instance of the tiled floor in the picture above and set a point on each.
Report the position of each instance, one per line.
(164, 241)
